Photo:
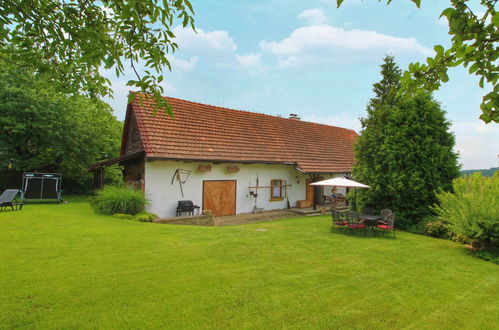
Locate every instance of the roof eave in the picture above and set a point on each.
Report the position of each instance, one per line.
(214, 160)
(117, 160)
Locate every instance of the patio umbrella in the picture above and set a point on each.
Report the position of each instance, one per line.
(341, 182)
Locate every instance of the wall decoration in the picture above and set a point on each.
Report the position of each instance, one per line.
(232, 169)
(204, 168)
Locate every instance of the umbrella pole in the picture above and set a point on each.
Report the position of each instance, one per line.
(315, 200)
(355, 198)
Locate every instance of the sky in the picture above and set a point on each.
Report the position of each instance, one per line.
(310, 58)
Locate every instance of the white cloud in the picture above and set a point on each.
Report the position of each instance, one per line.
(216, 47)
(323, 42)
(183, 65)
(341, 120)
(201, 41)
(313, 16)
(477, 144)
(248, 60)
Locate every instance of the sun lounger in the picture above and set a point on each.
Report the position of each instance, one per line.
(9, 198)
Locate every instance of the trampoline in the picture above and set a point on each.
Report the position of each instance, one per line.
(41, 186)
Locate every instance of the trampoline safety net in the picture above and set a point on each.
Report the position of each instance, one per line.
(41, 186)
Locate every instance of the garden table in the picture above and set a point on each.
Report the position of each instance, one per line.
(369, 220)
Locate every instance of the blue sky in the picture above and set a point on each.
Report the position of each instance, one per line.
(308, 57)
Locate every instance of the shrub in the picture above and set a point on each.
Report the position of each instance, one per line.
(123, 216)
(118, 199)
(145, 217)
(437, 229)
(473, 209)
(431, 226)
(488, 255)
(142, 216)
(420, 226)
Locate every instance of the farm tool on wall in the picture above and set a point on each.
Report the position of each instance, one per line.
(181, 176)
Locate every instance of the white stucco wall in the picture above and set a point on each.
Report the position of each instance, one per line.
(163, 196)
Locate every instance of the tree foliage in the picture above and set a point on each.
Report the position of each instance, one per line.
(43, 130)
(474, 45)
(472, 209)
(73, 40)
(404, 151)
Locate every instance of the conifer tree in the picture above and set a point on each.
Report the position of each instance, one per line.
(405, 150)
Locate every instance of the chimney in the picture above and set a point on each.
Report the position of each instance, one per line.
(294, 116)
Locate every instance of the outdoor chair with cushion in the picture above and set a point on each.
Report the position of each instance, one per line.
(385, 213)
(339, 221)
(354, 223)
(9, 198)
(368, 210)
(388, 224)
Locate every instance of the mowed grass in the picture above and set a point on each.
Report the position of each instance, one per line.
(63, 266)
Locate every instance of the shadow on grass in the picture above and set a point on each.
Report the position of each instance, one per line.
(362, 234)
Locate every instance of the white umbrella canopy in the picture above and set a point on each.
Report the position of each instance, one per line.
(340, 182)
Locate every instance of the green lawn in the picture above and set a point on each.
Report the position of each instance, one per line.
(62, 266)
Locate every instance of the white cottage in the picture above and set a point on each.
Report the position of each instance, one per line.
(227, 161)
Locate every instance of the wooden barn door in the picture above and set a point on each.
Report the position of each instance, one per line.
(314, 192)
(220, 197)
(310, 192)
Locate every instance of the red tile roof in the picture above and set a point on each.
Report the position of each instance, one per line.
(211, 133)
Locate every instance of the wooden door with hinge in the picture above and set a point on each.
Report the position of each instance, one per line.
(310, 192)
(314, 192)
(219, 196)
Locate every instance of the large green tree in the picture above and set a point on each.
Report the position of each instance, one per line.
(474, 45)
(404, 151)
(73, 40)
(44, 130)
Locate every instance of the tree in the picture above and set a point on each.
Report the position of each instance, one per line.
(43, 130)
(474, 45)
(73, 40)
(404, 151)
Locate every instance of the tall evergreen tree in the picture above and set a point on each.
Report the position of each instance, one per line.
(405, 150)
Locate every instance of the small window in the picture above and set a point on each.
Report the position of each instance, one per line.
(277, 190)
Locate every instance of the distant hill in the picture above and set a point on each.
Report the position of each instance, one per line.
(488, 172)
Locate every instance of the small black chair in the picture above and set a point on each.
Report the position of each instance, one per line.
(9, 198)
(388, 224)
(368, 210)
(339, 221)
(385, 213)
(186, 206)
(354, 223)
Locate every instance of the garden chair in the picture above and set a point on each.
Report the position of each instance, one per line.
(9, 198)
(388, 225)
(385, 213)
(353, 222)
(368, 210)
(339, 220)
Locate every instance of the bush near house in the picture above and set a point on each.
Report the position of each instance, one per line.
(119, 200)
(472, 210)
(142, 216)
